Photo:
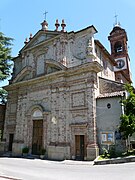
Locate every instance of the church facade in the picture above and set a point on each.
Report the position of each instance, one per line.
(64, 93)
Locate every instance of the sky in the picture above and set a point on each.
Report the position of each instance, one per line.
(19, 18)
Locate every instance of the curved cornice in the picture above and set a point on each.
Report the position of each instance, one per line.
(56, 63)
(23, 72)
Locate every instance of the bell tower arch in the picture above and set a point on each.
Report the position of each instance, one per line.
(119, 51)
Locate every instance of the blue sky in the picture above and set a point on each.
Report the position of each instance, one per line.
(19, 18)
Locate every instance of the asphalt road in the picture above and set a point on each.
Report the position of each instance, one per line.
(26, 169)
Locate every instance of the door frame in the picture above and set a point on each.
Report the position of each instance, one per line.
(37, 150)
(11, 139)
(79, 147)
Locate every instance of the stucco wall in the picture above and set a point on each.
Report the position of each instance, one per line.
(108, 118)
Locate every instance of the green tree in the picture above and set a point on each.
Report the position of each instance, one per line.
(3, 96)
(5, 62)
(127, 125)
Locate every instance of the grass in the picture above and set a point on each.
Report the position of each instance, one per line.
(116, 155)
(101, 158)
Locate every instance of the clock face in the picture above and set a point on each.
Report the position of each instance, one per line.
(120, 63)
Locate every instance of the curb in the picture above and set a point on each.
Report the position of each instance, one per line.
(114, 160)
(71, 162)
(8, 177)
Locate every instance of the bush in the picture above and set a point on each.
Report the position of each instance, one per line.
(111, 153)
(105, 153)
(43, 151)
(25, 150)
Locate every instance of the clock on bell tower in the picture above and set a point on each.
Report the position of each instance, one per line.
(119, 51)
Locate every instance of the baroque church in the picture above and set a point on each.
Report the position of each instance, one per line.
(65, 92)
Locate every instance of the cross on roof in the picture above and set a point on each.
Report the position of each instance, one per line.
(45, 14)
(116, 19)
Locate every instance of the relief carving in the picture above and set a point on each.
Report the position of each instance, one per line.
(89, 49)
(79, 48)
(78, 99)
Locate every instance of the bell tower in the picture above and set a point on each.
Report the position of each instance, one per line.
(119, 51)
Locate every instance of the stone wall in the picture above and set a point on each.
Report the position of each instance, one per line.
(68, 108)
(69, 50)
(57, 74)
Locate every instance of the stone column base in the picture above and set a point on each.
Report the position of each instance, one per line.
(17, 148)
(58, 152)
(92, 152)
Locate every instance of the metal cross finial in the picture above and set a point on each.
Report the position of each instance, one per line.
(45, 14)
(116, 20)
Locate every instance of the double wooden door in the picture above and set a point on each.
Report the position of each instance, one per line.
(79, 147)
(37, 139)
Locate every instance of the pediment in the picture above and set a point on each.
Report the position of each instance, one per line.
(53, 66)
(56, 64)
(25, 74)
(39, 38)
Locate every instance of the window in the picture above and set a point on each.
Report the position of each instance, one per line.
(105, 64)
(40, 64)
(108, 105)
(118, 47)
(107, 137)
(37, 114)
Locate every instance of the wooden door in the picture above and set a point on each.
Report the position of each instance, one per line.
(11, 137)
(79, 147)
(37, 140)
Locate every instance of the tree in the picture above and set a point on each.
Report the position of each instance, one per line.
(5, 62)
(3, 96)
(127, 125)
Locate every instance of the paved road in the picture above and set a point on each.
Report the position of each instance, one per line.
(26, 169)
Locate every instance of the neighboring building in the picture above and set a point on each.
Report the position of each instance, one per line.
(64, 93)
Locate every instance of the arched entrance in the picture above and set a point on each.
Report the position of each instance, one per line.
(37, 136)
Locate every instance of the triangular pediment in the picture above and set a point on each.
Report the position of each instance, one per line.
(39, 38)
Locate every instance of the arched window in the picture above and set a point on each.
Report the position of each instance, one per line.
(118, 47)
(37, 114)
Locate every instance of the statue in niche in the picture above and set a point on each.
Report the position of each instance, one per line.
(89, 49)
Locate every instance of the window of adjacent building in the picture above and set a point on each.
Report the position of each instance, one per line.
(108, 105)
(40, 65)
(107, 137)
